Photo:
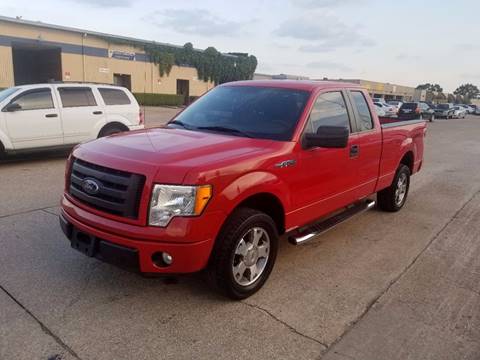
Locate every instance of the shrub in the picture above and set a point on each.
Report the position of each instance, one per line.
(149, 99)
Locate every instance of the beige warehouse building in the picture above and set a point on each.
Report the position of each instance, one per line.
(34, 52)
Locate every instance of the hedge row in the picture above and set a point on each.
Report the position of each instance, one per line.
(149, 99)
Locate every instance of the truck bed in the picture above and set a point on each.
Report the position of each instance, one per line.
(398, 136)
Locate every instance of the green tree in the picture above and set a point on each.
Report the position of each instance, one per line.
(430, 87)
(468, 91)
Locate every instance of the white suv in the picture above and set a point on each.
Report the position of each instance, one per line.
(52, 115)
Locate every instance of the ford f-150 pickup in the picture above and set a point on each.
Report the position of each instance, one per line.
(218, 185)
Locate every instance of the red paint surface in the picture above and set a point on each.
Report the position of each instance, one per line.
(322, 180)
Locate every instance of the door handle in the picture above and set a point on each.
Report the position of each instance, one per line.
(51, 115)
(97, 113)
(354, 151)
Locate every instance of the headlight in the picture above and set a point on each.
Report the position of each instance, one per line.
(169, 201)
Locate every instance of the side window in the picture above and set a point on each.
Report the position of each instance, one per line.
(329, 110)
(35, 100)
(114, 96)
(76, 96)
(365, 122)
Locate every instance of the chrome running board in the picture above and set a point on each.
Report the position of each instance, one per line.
(311, 231)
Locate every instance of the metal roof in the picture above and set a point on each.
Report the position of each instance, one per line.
(21, 21)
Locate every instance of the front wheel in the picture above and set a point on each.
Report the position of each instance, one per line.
(394, 197)
(244, 253)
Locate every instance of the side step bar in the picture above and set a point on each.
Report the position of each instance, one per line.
(318, 228)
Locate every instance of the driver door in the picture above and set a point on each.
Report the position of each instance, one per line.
(32, 119)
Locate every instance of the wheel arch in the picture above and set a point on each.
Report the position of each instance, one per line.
(109, 125)
(408, 160)
(269, 204)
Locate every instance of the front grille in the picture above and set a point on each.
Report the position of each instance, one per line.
(114, 191)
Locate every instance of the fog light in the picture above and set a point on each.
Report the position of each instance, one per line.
(162, 259)
(167, 258)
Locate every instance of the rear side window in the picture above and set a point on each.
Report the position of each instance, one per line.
(364, 122)
(35, 100)
(114, 96)
(77, 96)
(329, 110)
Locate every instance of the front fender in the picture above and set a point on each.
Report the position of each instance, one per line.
(258, 182)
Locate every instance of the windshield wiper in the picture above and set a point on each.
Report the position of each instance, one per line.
(225, 129)
(180, 123)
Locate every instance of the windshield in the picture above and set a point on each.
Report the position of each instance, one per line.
(7, 92)
(443, 106)
(251, 111)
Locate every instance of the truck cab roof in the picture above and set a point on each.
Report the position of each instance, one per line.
(306, 85)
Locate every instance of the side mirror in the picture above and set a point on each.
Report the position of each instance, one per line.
(12, 107)
(327, 137)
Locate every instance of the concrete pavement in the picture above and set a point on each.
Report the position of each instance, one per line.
(382, 286)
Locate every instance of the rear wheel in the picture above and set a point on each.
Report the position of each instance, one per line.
(110, 130)
(244, 253)
(394, 197)
(3, 153)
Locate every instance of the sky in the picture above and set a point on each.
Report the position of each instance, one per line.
(404, 42)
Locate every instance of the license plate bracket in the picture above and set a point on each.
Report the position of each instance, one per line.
(83, 242)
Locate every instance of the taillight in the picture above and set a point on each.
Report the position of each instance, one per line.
(141, 117)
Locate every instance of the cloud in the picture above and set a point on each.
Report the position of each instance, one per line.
(196, 22)
(328, 65)
(471, 76)
(106, 3)
(467, 47)
(318, 4)
(322, 33)
(403, 57)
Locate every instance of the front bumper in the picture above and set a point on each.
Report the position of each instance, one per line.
(124, 249)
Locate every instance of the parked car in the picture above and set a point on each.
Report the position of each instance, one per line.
(414, 110)
(476, 109)
(379, 110)
(56, 115)
(444, 111)
(218, 185)
(470, 109)
(396, 103)
(389, 110)
(459, 112)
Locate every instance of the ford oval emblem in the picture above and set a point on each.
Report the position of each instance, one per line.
(90, 186)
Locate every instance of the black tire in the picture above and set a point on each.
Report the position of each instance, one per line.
(388, 199)
(3, 153)
(220, 269)
(110, 130)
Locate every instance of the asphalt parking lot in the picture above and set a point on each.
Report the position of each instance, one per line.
(381, 286)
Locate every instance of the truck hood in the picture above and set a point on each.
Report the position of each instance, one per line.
(168, 154)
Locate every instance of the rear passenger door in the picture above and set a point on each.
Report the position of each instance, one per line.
(366, 150)
(326, 178)
(82, 116)
(35, 121)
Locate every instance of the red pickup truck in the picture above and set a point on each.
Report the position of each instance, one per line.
(218, 185)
